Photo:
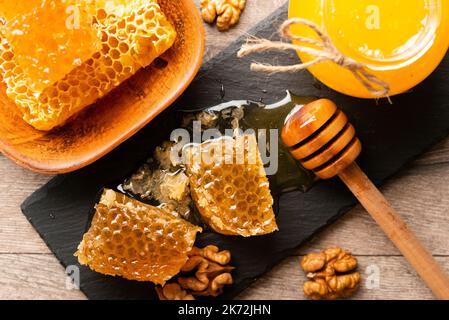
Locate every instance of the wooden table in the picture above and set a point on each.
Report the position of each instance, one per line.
(28, 270)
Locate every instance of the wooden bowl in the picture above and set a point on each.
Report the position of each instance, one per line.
(119, 115)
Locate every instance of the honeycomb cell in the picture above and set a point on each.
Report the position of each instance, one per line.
(124, 48)
(136, 241)
(232, 198)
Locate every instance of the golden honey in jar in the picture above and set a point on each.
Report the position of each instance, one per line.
(399, 41)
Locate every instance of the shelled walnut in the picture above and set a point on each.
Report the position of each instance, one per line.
(204, 274)
(212, 253)
(331, 274)
(225, 12)
(173, 291)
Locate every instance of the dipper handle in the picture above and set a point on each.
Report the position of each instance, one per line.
(322, 139)
(396, 229)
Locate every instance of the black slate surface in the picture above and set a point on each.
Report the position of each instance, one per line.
(392, 135)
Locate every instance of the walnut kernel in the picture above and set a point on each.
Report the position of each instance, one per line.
(331, 274)
(205, 273)
(173, 291)
(225, 12)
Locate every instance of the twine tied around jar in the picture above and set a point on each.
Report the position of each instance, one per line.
(323, 49)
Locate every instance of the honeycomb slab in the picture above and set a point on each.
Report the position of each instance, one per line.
(229, 186)
(136, 241)
(50, 38)
(131, 34)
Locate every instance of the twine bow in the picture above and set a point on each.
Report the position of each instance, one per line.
(323, 50)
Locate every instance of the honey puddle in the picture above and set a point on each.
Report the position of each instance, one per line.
(290, 174)
(162, 180)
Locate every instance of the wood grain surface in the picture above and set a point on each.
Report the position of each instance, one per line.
(420, 193)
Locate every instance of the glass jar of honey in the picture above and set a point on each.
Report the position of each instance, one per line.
(399, 41)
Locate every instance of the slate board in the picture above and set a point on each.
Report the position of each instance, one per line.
(392, 135)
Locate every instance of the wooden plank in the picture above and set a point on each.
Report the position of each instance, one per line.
(33, 276)
(437, 155)
(16, 234)
(396, 280)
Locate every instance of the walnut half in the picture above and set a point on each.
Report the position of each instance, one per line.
(331, 274)
(225, 12)
(205, 273)
(211, 272)
(173, 291)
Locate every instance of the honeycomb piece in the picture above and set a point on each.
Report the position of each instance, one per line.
(229, 186)
(50, 38)
(131, 38)
(136, 241)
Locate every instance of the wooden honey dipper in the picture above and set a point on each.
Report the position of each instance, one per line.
(321, 138)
